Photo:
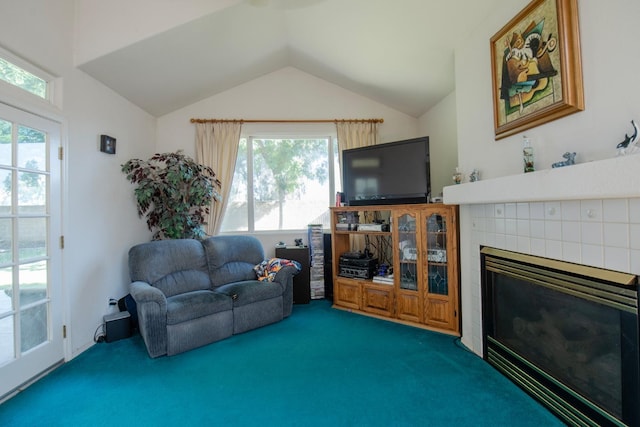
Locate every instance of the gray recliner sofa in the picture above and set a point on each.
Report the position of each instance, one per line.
(190, 293)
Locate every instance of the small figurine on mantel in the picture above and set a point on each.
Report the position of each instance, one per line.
(457, 177)
(474, 175)
(629, 145)
(527, 154)
(569, 159)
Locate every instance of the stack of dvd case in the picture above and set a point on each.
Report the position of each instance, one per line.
(316, 248)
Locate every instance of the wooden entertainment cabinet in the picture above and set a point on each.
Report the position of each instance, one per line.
(419, 242)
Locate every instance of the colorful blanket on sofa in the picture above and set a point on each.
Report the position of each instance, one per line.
(268, 269)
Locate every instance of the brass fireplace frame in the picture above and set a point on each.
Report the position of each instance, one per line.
(576, 281)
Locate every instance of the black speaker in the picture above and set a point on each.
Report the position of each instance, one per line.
(301, 281)
(328, 267)
(117, 326)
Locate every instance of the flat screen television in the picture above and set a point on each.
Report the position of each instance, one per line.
(392, 173)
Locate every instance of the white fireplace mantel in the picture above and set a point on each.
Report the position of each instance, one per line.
(618, 177)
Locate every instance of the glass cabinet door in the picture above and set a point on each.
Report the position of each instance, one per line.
(437, 255)
(407, 252)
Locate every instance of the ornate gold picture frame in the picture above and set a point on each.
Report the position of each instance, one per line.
(536, 67)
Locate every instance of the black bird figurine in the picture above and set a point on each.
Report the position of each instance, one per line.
(628, 140)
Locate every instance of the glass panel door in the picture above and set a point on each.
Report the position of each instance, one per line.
(30, 313)
(408, 251)
(437, 255)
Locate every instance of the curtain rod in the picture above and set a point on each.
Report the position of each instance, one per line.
(287, 121)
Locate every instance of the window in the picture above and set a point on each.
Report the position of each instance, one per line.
(20, 74)
(282, 184)
(15, 75)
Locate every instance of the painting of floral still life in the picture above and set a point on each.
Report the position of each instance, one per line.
(536, 67)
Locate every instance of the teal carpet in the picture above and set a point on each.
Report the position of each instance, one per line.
(320, 367)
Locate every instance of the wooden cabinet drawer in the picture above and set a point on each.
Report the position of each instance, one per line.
(377, 299)
(347, 293)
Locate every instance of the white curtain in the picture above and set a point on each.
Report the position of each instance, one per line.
(217, 147)
(355, 135)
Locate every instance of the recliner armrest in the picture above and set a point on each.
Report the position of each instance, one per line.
(152, 316)
(143, 292)
(285, 274)
(284, 277)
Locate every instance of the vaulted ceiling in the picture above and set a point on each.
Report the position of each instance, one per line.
(396, 52)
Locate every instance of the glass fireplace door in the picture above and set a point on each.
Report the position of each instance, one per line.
(566, 333)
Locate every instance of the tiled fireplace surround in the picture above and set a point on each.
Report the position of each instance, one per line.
(587, 214)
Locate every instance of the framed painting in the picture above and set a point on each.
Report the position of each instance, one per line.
(536, 67)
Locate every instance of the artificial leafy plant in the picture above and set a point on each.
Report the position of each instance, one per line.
(174, 192)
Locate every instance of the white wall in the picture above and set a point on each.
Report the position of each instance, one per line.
(612, 100)
(439, 123)
(610, 69)
(100, 221)
(38, 31)
(284, 94)
(102, 218)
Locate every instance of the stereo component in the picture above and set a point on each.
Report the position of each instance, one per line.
(358, 268)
